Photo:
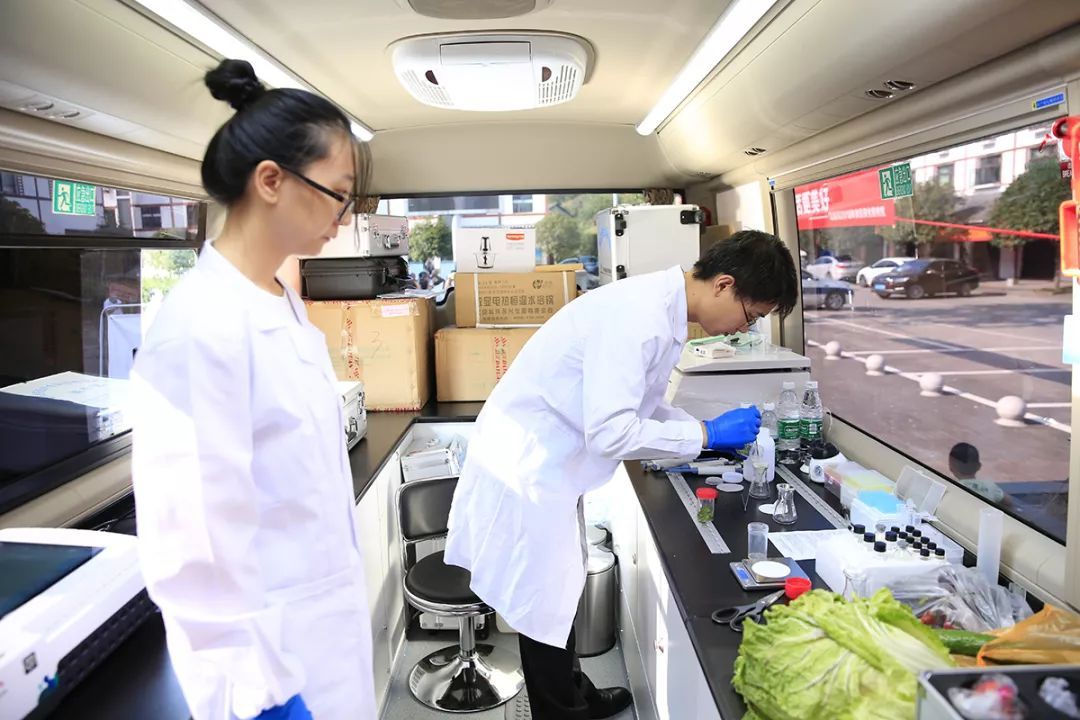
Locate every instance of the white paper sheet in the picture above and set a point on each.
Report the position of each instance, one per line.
(802, 544)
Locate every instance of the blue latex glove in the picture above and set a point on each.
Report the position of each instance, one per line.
(294, 709)
(734, 429)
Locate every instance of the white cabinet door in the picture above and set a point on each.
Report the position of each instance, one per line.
(395, 597)
(673, 673)
(370, 521)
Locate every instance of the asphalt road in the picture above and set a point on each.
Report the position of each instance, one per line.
(985, 347)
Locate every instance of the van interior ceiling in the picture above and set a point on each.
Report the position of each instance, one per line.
(917, 161)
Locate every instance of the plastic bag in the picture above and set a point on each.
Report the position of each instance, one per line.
(1050, 637)
(960, 598)
(994, 697)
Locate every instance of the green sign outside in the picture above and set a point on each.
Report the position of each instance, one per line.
(888, 190)
(895, 181)
(73, 198)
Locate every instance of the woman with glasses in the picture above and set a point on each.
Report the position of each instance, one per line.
(243, 489)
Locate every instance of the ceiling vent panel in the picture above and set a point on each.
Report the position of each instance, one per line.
(491, 72)
(476, 9)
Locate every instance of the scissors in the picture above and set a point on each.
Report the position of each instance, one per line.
(736, 615)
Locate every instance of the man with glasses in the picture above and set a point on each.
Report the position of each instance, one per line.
(586, 392)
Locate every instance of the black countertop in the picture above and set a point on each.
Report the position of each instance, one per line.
(137, 680)
(702, 582)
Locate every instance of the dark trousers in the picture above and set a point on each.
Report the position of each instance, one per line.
(558, 690)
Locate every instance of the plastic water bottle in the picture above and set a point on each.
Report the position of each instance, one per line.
(769, 420)
(811, 417)
(788, 420)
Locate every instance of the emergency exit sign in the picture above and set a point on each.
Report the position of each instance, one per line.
(73, 198)
(895, 181)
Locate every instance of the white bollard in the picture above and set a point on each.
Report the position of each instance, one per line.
(1011, 411)
(931, 384)
(875, 365)
(832, 350)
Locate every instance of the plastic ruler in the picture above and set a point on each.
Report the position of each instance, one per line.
(812, 497)
(708, 530)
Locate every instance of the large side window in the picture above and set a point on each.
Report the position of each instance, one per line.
(967, 329)
(82, 271)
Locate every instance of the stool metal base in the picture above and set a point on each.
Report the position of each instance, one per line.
(484, 679)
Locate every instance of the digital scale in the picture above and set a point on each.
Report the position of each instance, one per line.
(751, 579)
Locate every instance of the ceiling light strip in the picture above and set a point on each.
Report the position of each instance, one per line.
(738, 19)
(223, 40)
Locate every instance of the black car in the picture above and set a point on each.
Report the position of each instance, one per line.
(917, 279)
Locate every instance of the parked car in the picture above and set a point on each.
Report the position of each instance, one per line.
(925, 278)
(824, 293)
(881, 267)
(591, 263)
(837, 268)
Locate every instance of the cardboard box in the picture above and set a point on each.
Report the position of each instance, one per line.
(386, 344)
(512, 299)
(495, 249)
(469, 362)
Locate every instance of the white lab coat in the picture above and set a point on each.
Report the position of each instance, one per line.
(247, 530)
(585, 393)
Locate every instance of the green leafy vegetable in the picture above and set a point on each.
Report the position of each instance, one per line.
(824, 657)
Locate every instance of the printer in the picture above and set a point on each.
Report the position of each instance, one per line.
(68, 598)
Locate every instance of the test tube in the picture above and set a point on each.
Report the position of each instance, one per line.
(989, 551)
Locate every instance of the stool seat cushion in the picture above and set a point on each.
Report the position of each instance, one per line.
(433, 580)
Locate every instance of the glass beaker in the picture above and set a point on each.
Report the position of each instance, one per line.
(784, 512)
(757, 541)
(755, 471)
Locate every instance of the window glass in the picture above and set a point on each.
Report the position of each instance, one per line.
(72, 319)
(32, 205)
(565, 223)
(969, 330)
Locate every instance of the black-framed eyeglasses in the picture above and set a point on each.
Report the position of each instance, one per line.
(348, 200)
(746, 316)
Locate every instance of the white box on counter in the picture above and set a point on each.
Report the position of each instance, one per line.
(495, 249)
(353, 412)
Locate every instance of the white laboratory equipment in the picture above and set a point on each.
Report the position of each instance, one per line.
(353, 412)
(70, 598)
(640, 239)
(707, 387)
(370, 236)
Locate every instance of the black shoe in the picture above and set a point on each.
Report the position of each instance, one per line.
(608, 702)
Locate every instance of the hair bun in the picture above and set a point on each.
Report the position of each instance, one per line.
(234, 81)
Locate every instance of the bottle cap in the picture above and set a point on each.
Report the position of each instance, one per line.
(707, 493)
(917, 533)
(811, 384)
(940, 552)
(932, 546)
(770, 407)
(895, 528)
(879, 547)
(910, 529)
(890, 536)
(858, 529)
(868, 537)
(925, 553)
(788, 385)
(902, 536)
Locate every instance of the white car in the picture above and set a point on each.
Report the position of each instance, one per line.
(884, 265)
(837, 268)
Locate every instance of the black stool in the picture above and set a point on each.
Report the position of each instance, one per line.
(467, 677)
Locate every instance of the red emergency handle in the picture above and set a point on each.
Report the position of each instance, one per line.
(1068, 129)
